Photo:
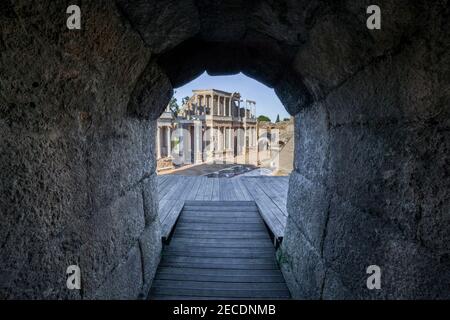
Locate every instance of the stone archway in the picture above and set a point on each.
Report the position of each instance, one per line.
(78, 114)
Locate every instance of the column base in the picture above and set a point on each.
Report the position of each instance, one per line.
(198, 159)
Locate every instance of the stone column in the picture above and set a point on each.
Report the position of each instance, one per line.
(224, 107)
(158, 143)
(169, 146)
(245, 137)
(253, 136)
(217, 106)
(219, 139)
(204, 109)
(219, 112)
(198, 142)
(239, 110)
(230, 151)
(225, 137)
(228, 107)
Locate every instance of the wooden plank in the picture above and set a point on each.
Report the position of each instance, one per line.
(232, 214)
(186, 189)
(241, 190)
(164, 208)
(173, 188)
(216, 190)
(244, 294)
(209, 265)
(222, 234)
(224, 261)
(171, 218)
(218, 272)
(225, 243)
(161, 275)
(220, 203)
(274, 194)
(202, 189)
(188, 284)
(269, 211)
(221, 208)
(220, 252)
(265, 208)
(217, 219)
(167, 186)
(218, 227)
(210, 187)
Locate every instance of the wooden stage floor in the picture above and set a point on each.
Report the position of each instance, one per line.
(269, 194)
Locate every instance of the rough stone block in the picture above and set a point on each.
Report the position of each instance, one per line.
(151, 95)
(334, 289)
(332, 53)
(308, 207)
(151, 245)
(430, 179)
(119, 156)
(400, 20)
(412, 271)
(371, 168)
(370, 96)
(162, 25)
(293, 93)
(355, 240)
(125, 282)
(312, 142)
(109, 236)
(301, 264)
(151, 199)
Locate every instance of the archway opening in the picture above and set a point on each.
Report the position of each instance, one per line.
(224, 126)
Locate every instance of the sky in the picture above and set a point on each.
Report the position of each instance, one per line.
(267, 102)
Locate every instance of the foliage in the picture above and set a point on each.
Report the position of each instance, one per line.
(173, 105)
(184, 100)
(263, 118)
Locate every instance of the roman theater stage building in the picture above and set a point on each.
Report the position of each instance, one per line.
(213, 125)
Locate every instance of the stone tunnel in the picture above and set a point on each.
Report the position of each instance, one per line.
(78, 110)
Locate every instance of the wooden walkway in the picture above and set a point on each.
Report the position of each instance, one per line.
(269, 194)
(219, 250)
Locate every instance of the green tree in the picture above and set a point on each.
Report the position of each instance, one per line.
(184, 100)
(173, 105)
(263, 118)
(278, 119)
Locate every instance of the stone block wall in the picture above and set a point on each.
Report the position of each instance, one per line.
(78, 179)
(371, 180)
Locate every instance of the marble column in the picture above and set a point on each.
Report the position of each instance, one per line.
(169, 146)
(219, 139)
(158, 143)
(224, 108)
(198, 142)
